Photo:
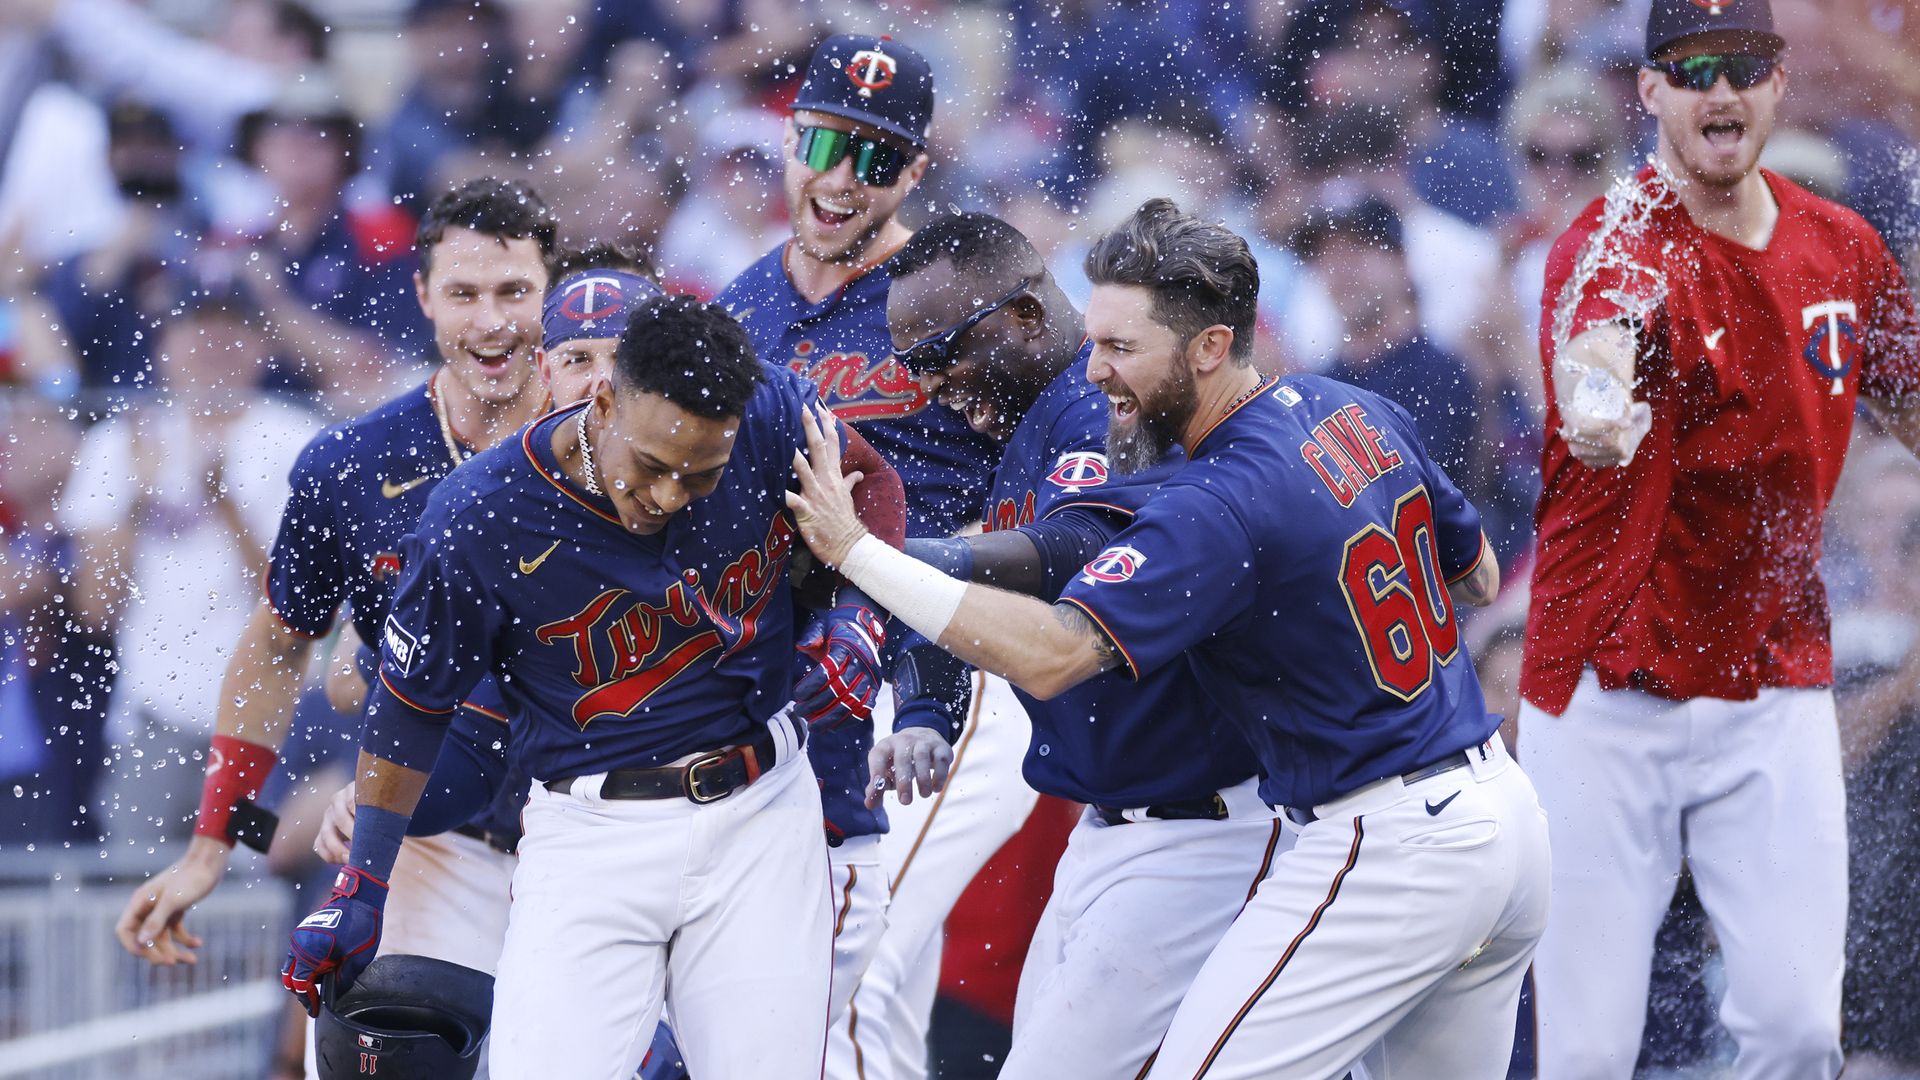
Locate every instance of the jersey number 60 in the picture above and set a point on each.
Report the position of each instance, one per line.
(1398, 598)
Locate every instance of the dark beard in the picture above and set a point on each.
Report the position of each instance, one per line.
(1162, 417)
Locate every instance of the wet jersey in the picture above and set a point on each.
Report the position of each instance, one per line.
(1057, 451)
(1300, 561)
(358, 488)
(1693, 571)
(612, 650)
(842, 344)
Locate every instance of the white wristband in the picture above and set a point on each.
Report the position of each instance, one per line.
(910, 590)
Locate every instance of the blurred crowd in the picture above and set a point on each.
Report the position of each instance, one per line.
(207, 208)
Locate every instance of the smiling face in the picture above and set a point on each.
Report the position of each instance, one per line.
(995, 374)
(1713, 137)
(483, 295)
(653, 458)
(835, 217)
(1142, 366)
(570, 368)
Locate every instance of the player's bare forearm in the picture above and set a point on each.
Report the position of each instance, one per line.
(1900, 416)
(263, 679)
(1044, 649)
(1480, 586)
(384, 785)
(1592, 376)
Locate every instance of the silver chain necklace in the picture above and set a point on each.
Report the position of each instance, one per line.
(586, 455)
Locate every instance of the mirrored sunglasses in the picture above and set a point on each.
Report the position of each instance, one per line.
(1744, 71)
(874, 163)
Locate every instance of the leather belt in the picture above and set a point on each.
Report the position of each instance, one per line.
(1211, 808)
(1301, 815)
(505, 843)
(708, 778)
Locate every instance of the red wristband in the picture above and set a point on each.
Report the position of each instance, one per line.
(235, 770)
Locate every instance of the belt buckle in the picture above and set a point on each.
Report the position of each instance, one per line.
(691, 781)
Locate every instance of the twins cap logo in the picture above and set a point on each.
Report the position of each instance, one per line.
(1830, 320)
(1113, 565)
(324, 919)
(1714, 7)
(1074, 472)
(591, 298)
(870, 70)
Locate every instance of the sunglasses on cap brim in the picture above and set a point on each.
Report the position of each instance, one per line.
(1744, 71)
(874, 162)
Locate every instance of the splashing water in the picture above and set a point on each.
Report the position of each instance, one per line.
(1639, 291)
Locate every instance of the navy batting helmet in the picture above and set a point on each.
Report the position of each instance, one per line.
(405, 1018)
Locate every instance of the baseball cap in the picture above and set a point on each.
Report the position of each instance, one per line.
(1370, 221)
(1668, 21)
(593, 304)
(871, 80)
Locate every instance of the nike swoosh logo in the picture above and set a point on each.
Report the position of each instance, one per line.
(528, 566)
(393, 491)
(1713, 339)
(1434, 811)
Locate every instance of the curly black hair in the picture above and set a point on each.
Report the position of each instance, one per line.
(691, 353)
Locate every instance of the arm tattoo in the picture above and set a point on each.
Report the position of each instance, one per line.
(1076, 621)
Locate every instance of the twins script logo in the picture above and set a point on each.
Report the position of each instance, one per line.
(1831, 321)
(625, 649)
(1007, 514)
(856, 389)
(1115, 564)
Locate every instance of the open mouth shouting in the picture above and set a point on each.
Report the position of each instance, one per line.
(1724, 133)
(831, 213)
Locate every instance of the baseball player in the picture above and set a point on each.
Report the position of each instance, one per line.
(856, 149)
(623, 568)
(357, 489)
(1706, 331)
(570, 356)
(1174, 836)
(1299, 563)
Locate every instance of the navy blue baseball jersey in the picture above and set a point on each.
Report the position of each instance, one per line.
(612, 650)
(1300, 561)
(842, 344)
(358, 488)
(1109, 740)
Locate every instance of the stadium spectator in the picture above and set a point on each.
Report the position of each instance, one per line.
(173, 505)
(1358, 251)
(444, 108)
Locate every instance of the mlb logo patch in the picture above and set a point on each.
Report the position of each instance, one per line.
(369, 1042)
(1113, 565)
(402, 646)
(1076, 472)
(1287, 395)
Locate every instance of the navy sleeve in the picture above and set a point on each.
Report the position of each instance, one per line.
(469, 771)
(435, 646)
(306, 578)
(1175, 577)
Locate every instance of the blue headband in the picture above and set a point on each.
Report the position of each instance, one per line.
(593, 304)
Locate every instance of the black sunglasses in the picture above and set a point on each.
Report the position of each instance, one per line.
(1583, 158)
(874, 163)
(1744, 71)
(934, 353)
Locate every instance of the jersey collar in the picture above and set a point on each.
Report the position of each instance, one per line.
(1255, 395)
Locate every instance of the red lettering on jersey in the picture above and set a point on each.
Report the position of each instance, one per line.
(1356, 447)
(1007, 514)
(1340, 426)
(586, 671)
(856, 389)
(637, 635)
(1383, 455)
(1343, 492)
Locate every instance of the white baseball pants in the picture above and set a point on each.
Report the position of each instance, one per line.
(1135, 911)
(719, 910)
(1750, 794)
(1397, 928)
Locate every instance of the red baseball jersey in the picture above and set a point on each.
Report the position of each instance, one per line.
(1694, 571)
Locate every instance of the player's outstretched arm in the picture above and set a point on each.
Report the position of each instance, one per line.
(1043, 649)
(257, 696)
(1593, 388)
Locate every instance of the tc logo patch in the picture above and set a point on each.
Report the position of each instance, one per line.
(592, 298)
(1830, 321)
(1076, 472)
(1113, 565)
(404, 647)
(325, 919)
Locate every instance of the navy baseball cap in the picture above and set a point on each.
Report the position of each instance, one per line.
(871, 80)
(593, 304)
(1670, 21)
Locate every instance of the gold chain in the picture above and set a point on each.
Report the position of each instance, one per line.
(454, 449)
